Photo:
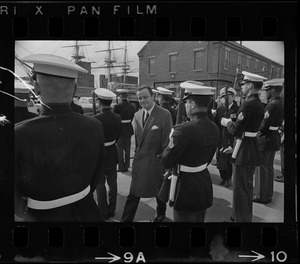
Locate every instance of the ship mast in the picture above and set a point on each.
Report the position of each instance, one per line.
(77, 56)
(109, 61)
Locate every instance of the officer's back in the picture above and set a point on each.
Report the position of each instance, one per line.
(59, 154)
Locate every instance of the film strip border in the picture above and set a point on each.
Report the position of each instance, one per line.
(148, 243)
(151, 21)
(148, 20)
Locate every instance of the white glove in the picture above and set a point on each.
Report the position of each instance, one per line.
(224, 121)
(214, 112)
(228, 150)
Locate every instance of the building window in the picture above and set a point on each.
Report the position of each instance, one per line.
(278, 73)
(263, 67)
(239, 62)
(256, 66)
(151, 65)
(226, 60)
(198, 59)
(271, 72)
(172, 62)
(248, 63)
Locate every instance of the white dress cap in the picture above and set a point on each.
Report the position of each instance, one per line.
(54, 65)
(193, 89)
(21, 88)
(122, 91)
(274, 82)
(104, 94)
(190, 84)
(165, 91)
(252, 77)
(230, 90)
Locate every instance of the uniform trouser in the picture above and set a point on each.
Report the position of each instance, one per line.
(105, 207)
(242, 193)
(131, 206)
(265, 181)
(180, 216)
(123, 145)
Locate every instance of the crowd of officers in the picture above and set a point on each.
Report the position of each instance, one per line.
(62, 156)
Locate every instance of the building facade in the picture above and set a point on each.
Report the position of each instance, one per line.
(215, 63)
(85, 81)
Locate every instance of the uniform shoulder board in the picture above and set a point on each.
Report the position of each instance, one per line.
(267, 114)
(240, 116)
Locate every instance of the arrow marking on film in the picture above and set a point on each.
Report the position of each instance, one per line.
(257, 256)
(112, 258)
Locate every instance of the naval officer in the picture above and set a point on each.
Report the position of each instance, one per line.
(164, 97)
(246, 152)
(126, 110)
(58, 155)
(192, 146)
(112, 129)
(269, 140)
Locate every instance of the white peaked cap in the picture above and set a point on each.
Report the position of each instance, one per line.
(104, 94)
(273, 82)
(230, 90)
(122, 91)
(252, 77)
(165, 91)
(54, 65)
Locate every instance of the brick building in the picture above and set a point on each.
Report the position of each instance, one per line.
(85, 81)
(215, 63)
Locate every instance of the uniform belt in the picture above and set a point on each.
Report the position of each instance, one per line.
(273, 128)
(126, 121)
(250, 134)
(44, 205)
(110, 143)
(193, 169)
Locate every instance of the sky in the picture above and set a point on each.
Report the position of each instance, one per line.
(273, 50)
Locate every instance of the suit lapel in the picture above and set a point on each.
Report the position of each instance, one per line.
(149, 122)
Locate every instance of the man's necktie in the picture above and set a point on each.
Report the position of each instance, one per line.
(146, 116)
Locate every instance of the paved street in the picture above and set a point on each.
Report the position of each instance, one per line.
(222, 202)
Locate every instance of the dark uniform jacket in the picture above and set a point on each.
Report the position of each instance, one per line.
(59, 154)
(22, 113)
(112, 128)
(171, 110)
(77, 108)
(126, 110)
(233, 110)
(274, 113)
(250, 115)
(195, 143)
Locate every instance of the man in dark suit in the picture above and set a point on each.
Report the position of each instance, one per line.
(269, 140)
(112, 129)
(59, 154)
(21, 101)
(226, 144)
(126, 110)
(246, 152)
(152, 125)
(192, 147)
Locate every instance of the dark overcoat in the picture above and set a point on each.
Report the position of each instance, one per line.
(250, 116)
(58, 154)
(126, 110)
(112, 129)
(195, 143)
(274, 113)
(150, 141)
